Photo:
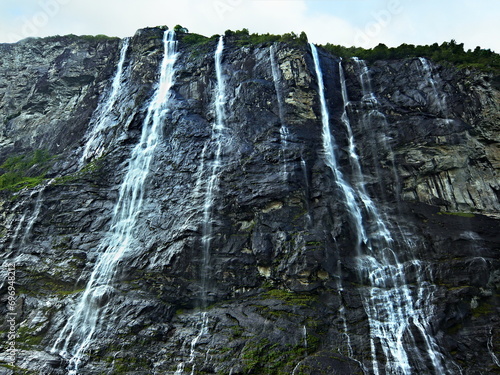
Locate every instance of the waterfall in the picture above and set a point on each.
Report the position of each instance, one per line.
(387, 297)
(284, 133)
(17, 231)
(491, 349)
(307, 189)
(218, 135)
(103, 114)
(36, 212)
(331, 160)
(77, 335)
(203, 322)
(217, 138)
(371, 117)
(31, 218)
(381, 230)
(440, 100)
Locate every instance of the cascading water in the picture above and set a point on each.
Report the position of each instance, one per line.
(284, 133)
(20, 224)
(491, 350)
(440, 100)
(203, 322)
(36, 212)
(387, 297)
(218, 139)
(17, 231)
(218, 135)
(103, 115)
(371, 118)
(38, 192)
(77, 335)
(381, 230)
(331, 160)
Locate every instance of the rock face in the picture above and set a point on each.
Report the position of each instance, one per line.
(285, 287)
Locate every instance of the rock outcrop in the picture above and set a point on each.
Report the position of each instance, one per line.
(287, 293)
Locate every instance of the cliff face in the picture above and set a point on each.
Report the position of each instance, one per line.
(269, 273)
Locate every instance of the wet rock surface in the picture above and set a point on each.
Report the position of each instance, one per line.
(285, 290)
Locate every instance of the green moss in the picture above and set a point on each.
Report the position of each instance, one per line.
(25, 171)
(42, 284)
(27, 338)
(291, 298)
(19, 370)
(91, 169)
(484, 308)
(262, 357)
(128, 364)
(237, 331)
(453, 330)
(460, 214)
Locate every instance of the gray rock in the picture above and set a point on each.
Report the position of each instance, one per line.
(284, 279)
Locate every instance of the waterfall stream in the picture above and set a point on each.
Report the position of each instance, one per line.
(372, 118)
(390, 303)
(217, 138)
(78, 333)
(284, 133)
(440, 100)
(103, 115)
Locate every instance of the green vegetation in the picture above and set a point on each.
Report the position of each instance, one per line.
(97, 38)
(446, 53)
(194, 39)
(91, 169)
(263, 357)
(126, 365)
(180, 30)
(244, 38)
(460, 214)
(19, 370)
(28, 338)
(291, 298)
(74, 38)
(483, 308)
(22, 171)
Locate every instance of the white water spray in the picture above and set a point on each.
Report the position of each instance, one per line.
(104, 116)
(78, 333)
(34, 216)
(331, 160)
(440, 100)
(491, 349)
(387, 298)
(371, 117)
(284, 133)
(218, 137)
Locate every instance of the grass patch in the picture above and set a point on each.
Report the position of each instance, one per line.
(25, 171)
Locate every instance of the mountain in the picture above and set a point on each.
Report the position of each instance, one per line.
(181, 205)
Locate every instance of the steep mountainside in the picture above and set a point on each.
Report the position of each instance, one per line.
(266, 209)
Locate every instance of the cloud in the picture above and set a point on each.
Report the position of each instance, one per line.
(346, 22)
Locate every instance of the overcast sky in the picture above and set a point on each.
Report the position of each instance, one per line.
(347, 22)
